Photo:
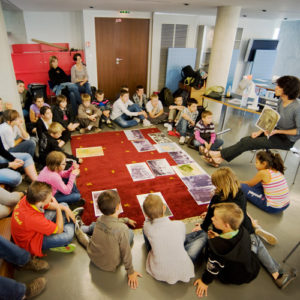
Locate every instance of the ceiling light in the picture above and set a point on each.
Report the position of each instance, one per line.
(263, 10)
(91, 6)
(244, 16)
(186, 4)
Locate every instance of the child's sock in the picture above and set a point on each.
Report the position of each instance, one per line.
(89, 127)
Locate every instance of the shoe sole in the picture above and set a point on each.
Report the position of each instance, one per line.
(266, 236)
(293, 276)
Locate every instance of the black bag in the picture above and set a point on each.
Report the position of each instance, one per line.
(166, 97)
(187, 71)
(39, 89)
(215, 92)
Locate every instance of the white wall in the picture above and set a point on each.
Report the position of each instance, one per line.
(55, 27)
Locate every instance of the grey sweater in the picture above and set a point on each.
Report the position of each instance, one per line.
(289, 118)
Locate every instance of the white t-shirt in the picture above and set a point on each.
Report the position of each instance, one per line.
(119, 108)
(9, 134)
(149, 107)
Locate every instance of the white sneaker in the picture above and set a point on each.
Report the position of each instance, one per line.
(146, 123)
(182, 140)
(137, 119)
(168, 126)
(186, 139)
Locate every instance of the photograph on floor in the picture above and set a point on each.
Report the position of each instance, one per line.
(133, 135)
(160, 167)
(268, 119)
(95, 195)
(186, 170)
(194, 182)
(89, 152)
(143, 145)
(181, 157)
(141, 199)
(139, 171)
(167, 147)
(159, 138)
(202, 195)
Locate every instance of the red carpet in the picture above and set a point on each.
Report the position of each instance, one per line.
(109, 171)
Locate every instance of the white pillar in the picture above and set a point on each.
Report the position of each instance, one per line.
(222, 47)
(8, 86)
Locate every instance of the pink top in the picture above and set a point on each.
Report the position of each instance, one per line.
(55, 180)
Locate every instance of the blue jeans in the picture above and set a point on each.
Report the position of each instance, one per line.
(89, 229)
(214, 147)
(9, 288)
(263, 255)
(60, 239)
(27, 146)
(184, 128)
(86, 88)
(127, 121)
(193, 244)
(74, 196)
(255, 194)
(25, 113)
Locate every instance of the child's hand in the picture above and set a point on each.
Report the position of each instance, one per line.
(255, 134)
(211, 234)
(201, 288)
(75, 172)
(133, 280)
(60, 143)
(80, 160)
(132, 223)
(197, 227)
(75, 165)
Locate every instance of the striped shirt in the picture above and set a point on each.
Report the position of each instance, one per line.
(205, 132)
(276, 191)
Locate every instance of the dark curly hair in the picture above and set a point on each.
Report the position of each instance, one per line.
(290, 86)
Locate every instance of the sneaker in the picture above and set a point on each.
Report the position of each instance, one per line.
(137, 119)
(168, 126)
(110, 125)
(182, 140)
(66, 249)
(266, 236)
(286, 278)
(146, 123)
(97, 130)
(82, 130)
(82, 238)
(187, 138)
(36, 265)
(35, 287)
(78, 211)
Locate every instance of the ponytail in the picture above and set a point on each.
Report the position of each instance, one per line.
(273, 160)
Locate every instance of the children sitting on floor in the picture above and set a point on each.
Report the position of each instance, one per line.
(155, 110)
(205, 136)
(43, 123)
(111, 238)
(174, 113)
(88, 115)
(171, 251)
(40, 223)
(63, 114)
(268, 189)
(105, 107)
(126, 113)
(186, 123)
(62, 181)
(139, 97)
(34, 112)
(230, 258)
(13, 134)
(227, 191)
(50, 141)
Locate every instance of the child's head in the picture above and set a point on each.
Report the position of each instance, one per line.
(227, 216)
(56, 161)
(39, 193)
(207, 117)
(39, 101)
(53, 62)
(153, 207)
(77, 57)
(109, 202)
(55, 130)
(46, 113)
(139, 90)
(61, 101)
(192, 105)
(10, 116)
(21, 86)
(86, 100)
(124, 95)
(289, 86)
(124, 87)
(99, 94)
(226, 182)
(269, 160)
(154, 99)
(178, 100)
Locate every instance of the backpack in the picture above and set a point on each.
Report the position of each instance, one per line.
(166, 97)
(187, 71)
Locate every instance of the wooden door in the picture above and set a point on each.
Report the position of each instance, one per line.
(122, 54)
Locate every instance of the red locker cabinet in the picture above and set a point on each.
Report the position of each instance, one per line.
(31, 61)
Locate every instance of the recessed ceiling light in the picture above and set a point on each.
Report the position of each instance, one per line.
(285, 18)
(186, 4)
(91, 6)
(244, 16)
(263, 10)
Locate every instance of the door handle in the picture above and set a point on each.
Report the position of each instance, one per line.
(118, 60)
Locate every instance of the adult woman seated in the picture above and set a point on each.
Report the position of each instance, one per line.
(79, 75)
(285, 134)
(60, 80)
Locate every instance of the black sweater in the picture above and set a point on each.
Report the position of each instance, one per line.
(4, 153)
(58, 76)
(58, 115)
(231, 260)
(239, 199)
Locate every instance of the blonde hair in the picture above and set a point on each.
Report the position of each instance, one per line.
(206, 113)
(153, 207)
(54, 160)
(153, 96)
(229, 213)
(55, 127)
(85, 97)
(51, 60)
(226, 182)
